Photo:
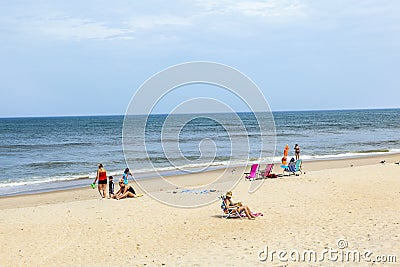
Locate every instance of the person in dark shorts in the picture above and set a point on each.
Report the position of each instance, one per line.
(110, 187)
(125, 191)
(102, 177)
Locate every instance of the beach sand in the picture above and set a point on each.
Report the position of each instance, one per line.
(356, 201)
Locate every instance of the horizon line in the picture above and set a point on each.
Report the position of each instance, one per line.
(111, 115)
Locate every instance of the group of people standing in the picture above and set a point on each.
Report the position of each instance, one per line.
(286, 152)
(125, 190)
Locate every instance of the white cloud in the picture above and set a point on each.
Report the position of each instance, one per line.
(150, 22)
(82, 28)
(76, 28)
(269, 9)
(265, 9)
(128, 25)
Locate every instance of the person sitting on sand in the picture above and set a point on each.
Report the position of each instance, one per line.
(125, 191)
(229, 203)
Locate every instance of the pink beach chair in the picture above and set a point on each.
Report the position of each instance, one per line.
(253, 174)
(267, 171)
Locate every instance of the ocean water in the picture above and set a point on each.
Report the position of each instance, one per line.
(41, 154)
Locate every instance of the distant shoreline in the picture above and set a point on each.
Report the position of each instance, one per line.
(82, 182)
(308, 165)
(157, 114)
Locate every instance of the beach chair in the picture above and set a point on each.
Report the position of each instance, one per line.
(229, 212)
(267, 171)
(296, 169)
(253, 172)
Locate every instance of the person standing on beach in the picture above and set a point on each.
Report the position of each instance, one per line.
(102, 177)
(125, 175)
(110, 187)
(297, 151)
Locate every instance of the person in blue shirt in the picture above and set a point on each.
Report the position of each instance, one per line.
(126, 174)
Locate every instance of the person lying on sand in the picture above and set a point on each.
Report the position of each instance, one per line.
(125, 191)
(229, 203)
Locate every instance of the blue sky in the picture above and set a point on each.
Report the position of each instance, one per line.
(89, 57)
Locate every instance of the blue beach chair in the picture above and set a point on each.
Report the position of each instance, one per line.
(296, 169)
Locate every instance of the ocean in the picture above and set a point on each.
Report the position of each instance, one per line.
(51, 153)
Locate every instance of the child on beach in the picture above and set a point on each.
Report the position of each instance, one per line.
(110, 187)
(125, 175)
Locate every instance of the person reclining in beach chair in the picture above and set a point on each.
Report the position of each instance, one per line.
(253, 174)
(233, 210)
(228, 212)
(293, 167)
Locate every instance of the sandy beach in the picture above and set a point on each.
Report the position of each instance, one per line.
(341, 205)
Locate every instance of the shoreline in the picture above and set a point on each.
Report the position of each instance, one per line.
(82, 180)
(81, 193)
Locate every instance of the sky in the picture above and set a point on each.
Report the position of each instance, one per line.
(61, 58)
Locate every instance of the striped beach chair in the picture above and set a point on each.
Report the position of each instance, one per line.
(228, 212)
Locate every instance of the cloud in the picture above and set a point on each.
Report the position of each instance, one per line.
(264, 9)
(77, 28)
(128, 24)
(150, 22)
(65, 27)
(269, 9)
